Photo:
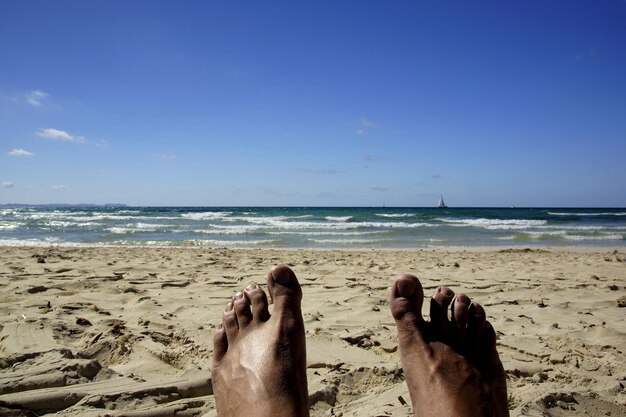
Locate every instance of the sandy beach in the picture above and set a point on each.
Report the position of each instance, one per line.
(128, 331)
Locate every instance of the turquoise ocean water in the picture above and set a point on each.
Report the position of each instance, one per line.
(306, 227)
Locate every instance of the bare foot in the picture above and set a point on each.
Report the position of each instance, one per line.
(259, 360)
(451, 367)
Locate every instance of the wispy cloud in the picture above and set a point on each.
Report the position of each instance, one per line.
(372, 158)
(165, 157)
(435, 176)
(36, 97)
(60, 135)
(102, 144)
(59, 187)
(365, 125)
(8, 184)
(20, 152)
(318, 171)
(379, 188)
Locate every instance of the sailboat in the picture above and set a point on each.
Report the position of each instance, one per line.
(441, 203)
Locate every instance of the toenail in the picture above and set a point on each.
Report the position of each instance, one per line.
(477, 310)
(251, 287)
(238, 296)
(463, 299)
(406, 287)
(282, 275)
(446, 291)
(229, 307)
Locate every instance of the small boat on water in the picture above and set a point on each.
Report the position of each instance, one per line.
(441, 202)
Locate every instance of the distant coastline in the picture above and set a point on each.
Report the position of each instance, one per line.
(18, 205)
(114, 205)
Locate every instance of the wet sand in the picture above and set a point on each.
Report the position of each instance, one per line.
(128, 331)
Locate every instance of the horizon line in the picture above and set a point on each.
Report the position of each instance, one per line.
(297, 206)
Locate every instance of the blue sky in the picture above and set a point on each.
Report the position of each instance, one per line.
(325, 103)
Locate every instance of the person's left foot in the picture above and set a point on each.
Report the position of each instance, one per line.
(259, 360)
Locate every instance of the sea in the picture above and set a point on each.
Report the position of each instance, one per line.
(310, 227)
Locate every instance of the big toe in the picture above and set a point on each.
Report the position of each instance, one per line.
(284, 290)
(407, 297)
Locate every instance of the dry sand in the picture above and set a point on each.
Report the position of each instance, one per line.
(127, 331)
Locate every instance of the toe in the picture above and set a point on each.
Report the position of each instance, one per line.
(258, 303)
(475, 328)
(220, 344)
(241, 305)
(230, 323)
(407, 297)
(490, 364)
(460, 312)
(492, 370)
(284, 290)
(439, 304)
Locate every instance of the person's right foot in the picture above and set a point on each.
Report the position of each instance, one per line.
(451, 366)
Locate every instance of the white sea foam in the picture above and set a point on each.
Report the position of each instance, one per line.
(326, 233)
(561, 234)
(599, 237)
(347, 241)
(338, 218)
(197, 242)
(392, 215)
(541, 233)
(268, 220)
(139, 227)
(152, 226)
(587, 228)
(494, 224)
(30, 242)
(281, 223)
(59, 223)
(620, 213)
(208, 215)
(509, 237)
(121, 230)
(229, 230)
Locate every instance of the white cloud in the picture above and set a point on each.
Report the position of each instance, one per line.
(60, 135)
(102, 144)
(20, 152)
(372, 158)
(366, 123)
(35, 98)
(8, 184)
(59, 187)
(166, 157)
